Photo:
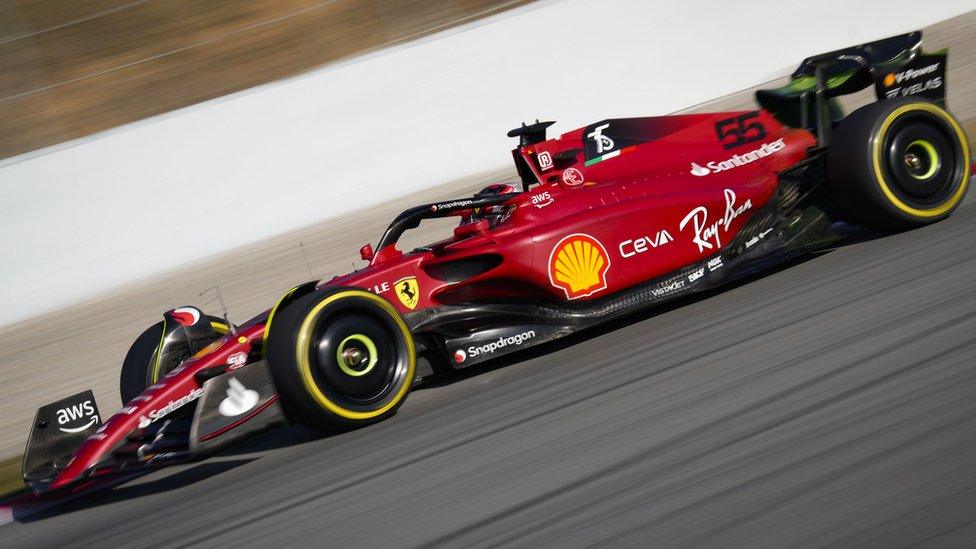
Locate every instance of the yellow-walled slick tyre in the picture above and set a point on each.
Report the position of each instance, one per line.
(340, 358)
(898, 164)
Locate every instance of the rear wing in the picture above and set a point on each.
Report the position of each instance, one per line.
(896, 67)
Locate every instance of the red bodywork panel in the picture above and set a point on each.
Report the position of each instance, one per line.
(638, 212)
(179, 387)
(620, 202)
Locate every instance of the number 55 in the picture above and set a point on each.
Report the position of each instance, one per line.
(740, 130)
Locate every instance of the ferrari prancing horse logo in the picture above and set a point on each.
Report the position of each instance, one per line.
(407, 291)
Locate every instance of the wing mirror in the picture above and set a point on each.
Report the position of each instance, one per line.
(366, 252)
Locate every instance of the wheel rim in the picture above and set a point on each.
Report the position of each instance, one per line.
(922, 161)
(357, 357)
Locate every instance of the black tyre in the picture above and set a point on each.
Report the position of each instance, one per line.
(898, 164)
(340, 358)
(139, 369)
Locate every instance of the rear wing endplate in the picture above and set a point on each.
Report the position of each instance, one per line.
(896, 67)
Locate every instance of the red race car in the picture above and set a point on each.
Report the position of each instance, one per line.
(609, 219)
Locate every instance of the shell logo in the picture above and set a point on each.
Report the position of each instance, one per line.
(578, 265)
(889, 80)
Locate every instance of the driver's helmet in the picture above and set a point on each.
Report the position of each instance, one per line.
(494, 214)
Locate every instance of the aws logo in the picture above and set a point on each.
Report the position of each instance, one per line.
(69, 414)
(578, 265)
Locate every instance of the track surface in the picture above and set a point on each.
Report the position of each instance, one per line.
(829, 403)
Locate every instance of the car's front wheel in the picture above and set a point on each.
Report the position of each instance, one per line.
(340, 358)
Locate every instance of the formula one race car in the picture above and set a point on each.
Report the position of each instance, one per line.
(609, 219)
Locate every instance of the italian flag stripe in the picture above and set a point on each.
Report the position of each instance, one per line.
(609, 155)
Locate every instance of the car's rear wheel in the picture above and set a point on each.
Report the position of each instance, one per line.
(340, 358)
(898, 164)
(140, 367)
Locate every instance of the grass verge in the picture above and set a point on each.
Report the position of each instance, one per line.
(11, 482)
(70, 69)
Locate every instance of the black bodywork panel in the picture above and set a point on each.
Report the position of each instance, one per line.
(58, 430)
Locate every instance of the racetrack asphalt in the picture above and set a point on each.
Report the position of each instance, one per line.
(830, 402)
